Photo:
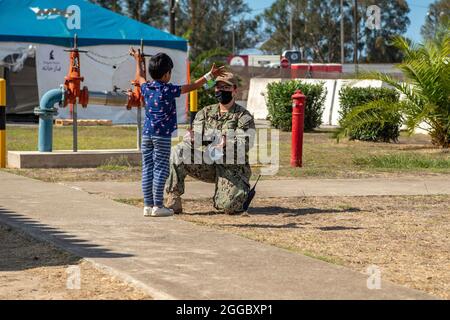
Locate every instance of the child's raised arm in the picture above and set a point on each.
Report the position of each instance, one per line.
(214, 73)
(140, 72)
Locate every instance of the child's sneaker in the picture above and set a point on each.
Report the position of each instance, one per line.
(148, 211)
(161, 212)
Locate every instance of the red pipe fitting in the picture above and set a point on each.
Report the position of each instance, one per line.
(72, 83)
(135, 99)
(298, 127)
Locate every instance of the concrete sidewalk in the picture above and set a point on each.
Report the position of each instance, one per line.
(289, 188)
(173, 259)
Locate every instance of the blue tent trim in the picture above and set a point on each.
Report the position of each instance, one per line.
(84, 42)
(45, 21)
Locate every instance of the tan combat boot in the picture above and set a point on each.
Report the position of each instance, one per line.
(173, 202)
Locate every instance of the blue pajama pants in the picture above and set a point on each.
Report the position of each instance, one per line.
(155, 168)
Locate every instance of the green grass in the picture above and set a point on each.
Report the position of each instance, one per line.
(116, 164)
(323, 157)
(332, 260)
(25, 138)
(405, 161)
(131, 202)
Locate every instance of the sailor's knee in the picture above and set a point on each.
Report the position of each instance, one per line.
(231, 203)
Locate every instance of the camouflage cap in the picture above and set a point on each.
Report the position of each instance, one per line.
(228, 78)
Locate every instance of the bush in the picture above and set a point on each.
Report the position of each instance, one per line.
(279, 102)
(383, 126)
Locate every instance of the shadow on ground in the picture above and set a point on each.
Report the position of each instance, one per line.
(292, 212)
(287, 212)
(15, 247)
(287, 226)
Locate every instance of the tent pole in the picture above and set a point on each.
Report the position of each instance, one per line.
(139, 128)
(75, 128)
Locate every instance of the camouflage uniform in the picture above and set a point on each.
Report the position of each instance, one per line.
(231, 179)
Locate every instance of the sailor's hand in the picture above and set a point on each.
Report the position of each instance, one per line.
(217, 72)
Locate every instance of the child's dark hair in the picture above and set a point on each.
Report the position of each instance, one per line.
(159, 65)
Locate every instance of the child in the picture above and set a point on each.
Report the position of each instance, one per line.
(160, 122)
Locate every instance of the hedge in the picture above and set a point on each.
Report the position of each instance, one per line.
(279, 102)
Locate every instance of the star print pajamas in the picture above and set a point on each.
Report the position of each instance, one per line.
(160, 123)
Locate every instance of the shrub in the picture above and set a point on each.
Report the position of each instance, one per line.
(279, 102)
(356, 103)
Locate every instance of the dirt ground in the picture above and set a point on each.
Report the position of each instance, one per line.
(408, 238)
(33, 270)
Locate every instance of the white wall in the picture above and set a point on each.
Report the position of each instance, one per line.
(258, 91)
(256, 102)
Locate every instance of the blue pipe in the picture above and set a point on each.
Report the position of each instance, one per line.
(46, 111)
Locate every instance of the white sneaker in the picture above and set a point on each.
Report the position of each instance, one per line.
(161, 212)
(148, 211)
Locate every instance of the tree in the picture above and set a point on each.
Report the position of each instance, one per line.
(211, 24)
(316, 25)
(394, 20)
(426, 91)
(151, 12)
(113, 5)
(438, 19)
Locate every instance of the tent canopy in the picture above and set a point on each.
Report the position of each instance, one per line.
(57, 21)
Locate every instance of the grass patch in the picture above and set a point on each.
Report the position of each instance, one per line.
(322, 258)
(404, 161)
(25, 138)
(116, 164)
(131, 202)
(323, 157)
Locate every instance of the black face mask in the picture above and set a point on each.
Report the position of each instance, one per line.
(224, 97)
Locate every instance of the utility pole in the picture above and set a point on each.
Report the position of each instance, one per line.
(172, 4)
(234, 41)
(291, 31)
(291, 27)
(342, 33)
(356, 37)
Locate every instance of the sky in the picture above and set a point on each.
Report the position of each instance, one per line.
(417, 15)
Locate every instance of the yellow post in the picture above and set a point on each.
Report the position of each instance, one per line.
(194, 101)
(193, 105)
(2, 123)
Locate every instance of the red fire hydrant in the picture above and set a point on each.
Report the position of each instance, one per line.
(298, 126)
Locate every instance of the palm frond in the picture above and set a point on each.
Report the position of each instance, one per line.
(207, 55)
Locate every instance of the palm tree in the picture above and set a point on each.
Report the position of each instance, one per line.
(425, 91)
